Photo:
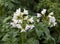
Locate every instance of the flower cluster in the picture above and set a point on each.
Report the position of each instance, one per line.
(24, 22)
(52, 20)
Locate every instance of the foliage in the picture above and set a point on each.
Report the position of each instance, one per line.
(42, 35)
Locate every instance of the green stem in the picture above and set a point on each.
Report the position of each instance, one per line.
(22, 38)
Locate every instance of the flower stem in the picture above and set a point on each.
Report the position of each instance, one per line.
(22, 38)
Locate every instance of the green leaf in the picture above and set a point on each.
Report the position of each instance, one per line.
(32, 41)
(6, 19)
(39, 32)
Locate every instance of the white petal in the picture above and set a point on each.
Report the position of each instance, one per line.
(52, 19)
(43, 11)
(38, 15)
(19, 26)
(17, 13)
(49, 16)
(31, 20)
(27, 27)
(14, 17)
(19, 21)
(32, 26)
(25, 11)
(26, 18)
(52, 13)
(55, 23)
(38, 20)
(23, 30)
(13, 24)
(15, 21)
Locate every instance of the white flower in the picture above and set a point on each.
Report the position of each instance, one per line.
(32, 26)
(49, 16)
(55, 23)
(19, 21)
(14, 17)
(31, 20)
(43, 11)
(25, 11)
(15, 21)
(18, 26)
(27, 27)
(23, 30)
(26, 17)
(18, 10)
(52, 19)
(21, 14)
(52, 13)
(13, 24)
(38, 20)
(17, 13)
(38, 15)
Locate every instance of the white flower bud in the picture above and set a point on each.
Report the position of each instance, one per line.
(13, 24)
(14, 17)
(32, 26)
(43, 11)
(23, 30)
(39, 15)
(52, 13)
(17, 13)
(55, 23)
(19, 21)
(18, 26)
(25, 11)
(15, 21)
(52, 20)
(38, 20)
(31, 20)
(26, 18)
(27, 27)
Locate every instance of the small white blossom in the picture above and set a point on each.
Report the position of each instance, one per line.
(17, 13)
(38, 20)
(31, 20)
(13, 24)
(55, 23)
(19, 21)
(18, 26)
(18, 10)
(32, 26)
(23, 30)
(52, 20)
(39, 15)
(21, 14)
(27, 27)
(52, 13)
(43, 11)
(26, 18)
(25, 11)
(14, 17)
(49, 16)
(15, 21)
